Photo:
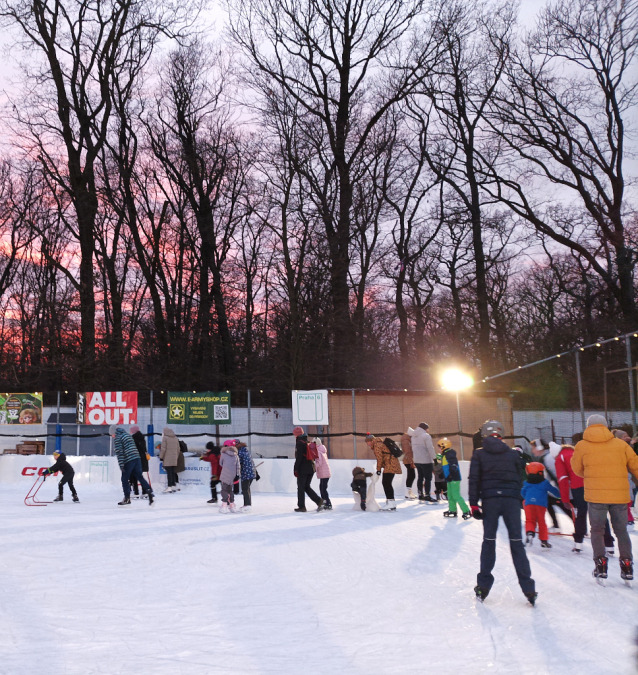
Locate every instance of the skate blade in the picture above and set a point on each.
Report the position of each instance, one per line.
(600, 581)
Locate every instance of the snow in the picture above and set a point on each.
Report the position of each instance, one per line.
(180, 589)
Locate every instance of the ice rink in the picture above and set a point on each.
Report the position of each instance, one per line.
(179, 589)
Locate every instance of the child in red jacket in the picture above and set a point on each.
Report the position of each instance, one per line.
(535, 491)
(212, 456)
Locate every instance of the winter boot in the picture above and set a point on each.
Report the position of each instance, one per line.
(59, 498)
(467, 515)
(450, 514)
(481, 593)
(545, 544)
(300, 509)
(125, 502)
(390, 505)
(529, 538)
(600, 571)
(76, 498)
(626, 569)
(410, 495)
(531, 597)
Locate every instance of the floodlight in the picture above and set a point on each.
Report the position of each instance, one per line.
(455, 380)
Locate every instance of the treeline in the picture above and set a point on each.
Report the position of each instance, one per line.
(331, 192)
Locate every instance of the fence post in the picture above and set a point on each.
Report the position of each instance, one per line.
(150, 436)
(580, 391)
(77, 441)
(58, 429)
(630, 376)
(250, 446)
(354, 425)
(458, 415)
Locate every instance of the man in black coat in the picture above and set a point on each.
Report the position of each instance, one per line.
(495, 479)
(304, 471)
(140, 444)
(67, 476)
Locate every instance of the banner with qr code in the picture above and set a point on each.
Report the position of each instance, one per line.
(207, 407)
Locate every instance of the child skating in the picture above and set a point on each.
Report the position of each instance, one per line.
(452, 473)
(535, 490)
(67, 476)
(230, 470)
(212, 457)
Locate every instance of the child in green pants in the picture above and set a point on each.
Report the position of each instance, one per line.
(452, 473)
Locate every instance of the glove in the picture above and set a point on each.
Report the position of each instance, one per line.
(257, 476)
(477, 513)
(296, 474)
(378, 473)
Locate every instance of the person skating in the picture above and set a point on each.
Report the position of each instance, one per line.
(452, 473)
(230, 471)
(359, 484)
(129, 460)
(140, 443)
(170, 455)
(496, 481)
(424, 454)
(535, 491)
(304, 470)
(67, 472)
(389, 465)
(248, 474)
(212, 456)
(408, 462)
(604, 461)
(322, 467)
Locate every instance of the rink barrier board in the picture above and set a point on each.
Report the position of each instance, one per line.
(276, 475)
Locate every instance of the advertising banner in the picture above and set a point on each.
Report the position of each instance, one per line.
(21, 408)
(107, 407)
(207, 407)
(310, 407)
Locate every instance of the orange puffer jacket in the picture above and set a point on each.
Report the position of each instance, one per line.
(604, 462)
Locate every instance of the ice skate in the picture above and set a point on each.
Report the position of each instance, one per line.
(609, 551)
(555, 529)
(223, 508)
(125, 502)
(322, 506)
(467, 515)
(232, 508)
(531, 598)
(76, 498)
(390, 505)
(150, 496)
(410, 495)
(600, 571)
(630, 525)
(577, 548)
(168, 489)
(246, 509)
(481, 593)
(626, 571)
(429, 500)
(529, 538)
(59, 498)
(545, 544)
(450, 514)
(421, 497)
(212, 501)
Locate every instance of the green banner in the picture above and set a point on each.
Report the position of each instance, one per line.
(207, 407)
(21, 408)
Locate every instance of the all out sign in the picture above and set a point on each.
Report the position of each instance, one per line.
(107, 407)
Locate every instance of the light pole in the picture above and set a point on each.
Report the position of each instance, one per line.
(456, 381)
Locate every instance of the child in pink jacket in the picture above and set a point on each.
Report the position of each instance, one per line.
(323, 471)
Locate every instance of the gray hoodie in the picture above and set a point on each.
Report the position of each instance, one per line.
(229, 463)
(422, 446)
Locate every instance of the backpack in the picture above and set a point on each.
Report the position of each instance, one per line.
(311, 452)
(392, 446)
(183, 447)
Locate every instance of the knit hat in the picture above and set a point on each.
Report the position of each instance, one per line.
(369, 437)
(297, 431)
(229, 443)
(134, 429)
(112, 429)
(596, 419)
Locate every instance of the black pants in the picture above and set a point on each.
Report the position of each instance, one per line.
(171, 474)
(440, 488)
(323, 490)
(386, 481)
(360, 487)
(580, 524)
(551, 502)
(424, 481)
(214, 482)
(303, 489)
(67, 480)
(411, 475)
(245, 491)
(509, 508)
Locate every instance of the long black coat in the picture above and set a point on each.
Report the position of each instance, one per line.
(303, 465)
(495, 471)
(140, 443)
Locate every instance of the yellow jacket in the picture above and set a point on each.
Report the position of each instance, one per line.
(604, 462)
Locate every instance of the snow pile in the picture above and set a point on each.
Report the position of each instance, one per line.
(179, 589)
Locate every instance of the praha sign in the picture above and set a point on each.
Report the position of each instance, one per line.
(107, 407)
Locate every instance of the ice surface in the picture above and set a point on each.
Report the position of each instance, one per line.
(179, 589)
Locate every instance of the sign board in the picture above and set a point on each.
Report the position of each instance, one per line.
(21, 408)
(107, 407)
(310, 407)
(207, 407)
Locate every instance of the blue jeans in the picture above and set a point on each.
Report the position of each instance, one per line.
(133, 469)
(509, 508)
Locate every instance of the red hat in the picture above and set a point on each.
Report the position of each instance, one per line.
(534, 467)
(297, 431)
